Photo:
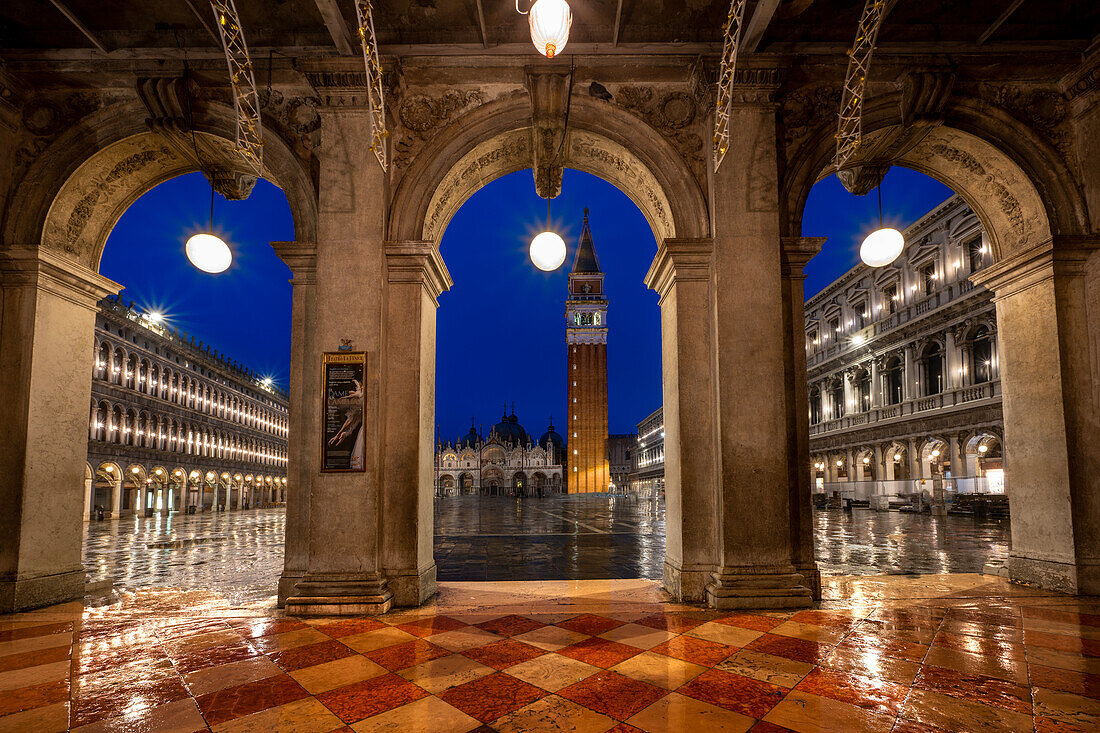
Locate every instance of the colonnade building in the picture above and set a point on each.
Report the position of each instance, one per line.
(175, 426)
(903, 370)
(647, 474)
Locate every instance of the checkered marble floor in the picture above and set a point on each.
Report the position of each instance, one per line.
(953, 653)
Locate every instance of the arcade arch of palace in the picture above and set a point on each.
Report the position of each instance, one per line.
(728, 270)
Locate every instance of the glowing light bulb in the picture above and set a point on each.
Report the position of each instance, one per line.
(209, 253)
(881, 247)
(547, 251)
(550, 21)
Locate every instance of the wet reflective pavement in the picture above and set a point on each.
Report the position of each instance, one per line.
(569, 537)
(239, 554)
(892, 653)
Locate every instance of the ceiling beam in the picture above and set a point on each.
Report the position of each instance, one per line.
(481, 25)
(761, 18)
(204, 20)
(337, 26)
(618, 21)
(1000, 21)
(79, 26)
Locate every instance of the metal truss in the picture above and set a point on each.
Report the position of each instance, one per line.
(375, 96)
(850, 124)
(246, 101)
(732, 32)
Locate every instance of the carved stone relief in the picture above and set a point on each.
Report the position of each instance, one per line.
(1044, 110)
(674, 113)
(802, 111)
(295, 118)
(421, 116)
(44, 118)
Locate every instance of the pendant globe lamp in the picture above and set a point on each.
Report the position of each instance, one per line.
(882, 246)
(547, 249)
(206, 250)
(550, 21)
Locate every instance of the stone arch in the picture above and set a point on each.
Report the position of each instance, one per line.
(1019, 186)
(78, 187)
(495, 139)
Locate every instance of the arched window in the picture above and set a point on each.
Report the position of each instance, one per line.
(932, 358)
(981, 356)
(815, 406)
(836, 399)
(861, 386)
(103, 361)
(118, 362)
(893, 377)
(102, 422)
(131, 371)
(116, 425)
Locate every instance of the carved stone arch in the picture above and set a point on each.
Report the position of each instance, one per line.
(1018, 185)
(76, 190)
(494, 139)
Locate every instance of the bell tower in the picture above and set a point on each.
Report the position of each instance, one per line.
(586, 371)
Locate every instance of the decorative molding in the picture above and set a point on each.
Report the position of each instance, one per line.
(420, 117)
(676, 114)
(549, 94)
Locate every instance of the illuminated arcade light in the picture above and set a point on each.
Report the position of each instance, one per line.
(209, 253)
(547, 251)
(882, 246)
(983, 448)
(550, 21)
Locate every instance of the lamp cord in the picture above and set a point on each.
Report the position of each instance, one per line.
(879, 187)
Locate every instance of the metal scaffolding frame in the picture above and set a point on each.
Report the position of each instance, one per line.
(375, 95)
(246, 101)
(732, 33)
(849, 132)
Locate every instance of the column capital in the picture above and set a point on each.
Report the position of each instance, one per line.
(418, 262)
(795, 252)
(680, 260)
(51, 271)
(301, 258)
(1063, 255)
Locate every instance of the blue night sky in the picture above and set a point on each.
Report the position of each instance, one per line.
(501, 328)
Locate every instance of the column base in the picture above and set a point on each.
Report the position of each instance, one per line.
(1060, 577)
(288, 584)
(753, 588)
(687, 584)
(411, 588)
(811, 578)
(328, 595)
(25, 593)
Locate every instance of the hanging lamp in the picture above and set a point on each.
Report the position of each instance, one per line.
(206, 250)
(550, 21)
(882, 246)
(547, 248)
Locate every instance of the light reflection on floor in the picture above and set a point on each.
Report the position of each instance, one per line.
(239, 554)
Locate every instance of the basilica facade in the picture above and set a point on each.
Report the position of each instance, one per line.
(506, 462)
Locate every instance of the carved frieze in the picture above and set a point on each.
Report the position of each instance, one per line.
(296, 119)
(44, 118)
(802, 111)
(421, 116)
(676, 114)
(1043, 109)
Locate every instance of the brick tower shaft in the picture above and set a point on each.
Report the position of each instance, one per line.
(586, 371)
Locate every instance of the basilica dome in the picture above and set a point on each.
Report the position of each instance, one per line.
(470, 439)
(508, 430)
(552, 438)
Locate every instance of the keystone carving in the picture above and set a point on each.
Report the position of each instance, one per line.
(549, 92)
(167, 100)
(924, 96)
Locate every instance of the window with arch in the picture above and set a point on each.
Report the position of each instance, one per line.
(836, 399)
(932, 359)
(981, 356)
(815, 406)
(893, 377)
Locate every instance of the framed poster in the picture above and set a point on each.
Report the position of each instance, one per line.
(343, 403)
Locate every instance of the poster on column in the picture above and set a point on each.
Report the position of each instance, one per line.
(343, 402)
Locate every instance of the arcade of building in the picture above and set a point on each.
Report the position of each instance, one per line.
(174, 427)
(1010, 125)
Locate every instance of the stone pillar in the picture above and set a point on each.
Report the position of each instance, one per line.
(1046, 299)
(47, 318)
(301, 258)
(117, 487)
(682, 275)
(910, 391)
(415, 278)
(343, 570)
(796, 252)
(876, 385)
(951, 364)
(756, 566)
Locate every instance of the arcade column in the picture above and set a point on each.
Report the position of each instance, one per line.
(47, 320)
